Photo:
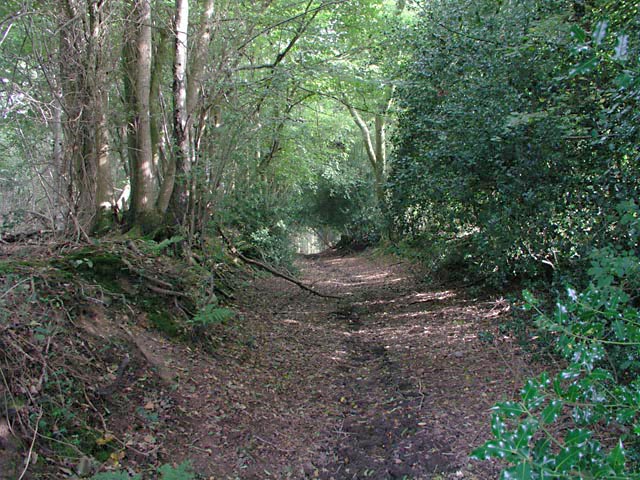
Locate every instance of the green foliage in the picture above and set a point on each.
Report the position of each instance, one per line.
(263, 222)
(115, 476)
(516, 137)
(183, 471)
(343, 199)
(180, 472)
(211, 315)
(158, 248)
(597, 332)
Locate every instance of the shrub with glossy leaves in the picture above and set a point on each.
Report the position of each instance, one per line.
(583, 422)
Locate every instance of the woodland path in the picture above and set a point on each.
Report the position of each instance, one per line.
(394, 381)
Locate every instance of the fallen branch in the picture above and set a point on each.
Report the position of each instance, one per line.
(164, 291)
(111, 388)
(234, 251)
(149, 278)
(27, 461)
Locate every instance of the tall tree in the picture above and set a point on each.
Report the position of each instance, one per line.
(144, 185)
(84, 62)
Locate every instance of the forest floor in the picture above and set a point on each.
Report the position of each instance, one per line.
(392, 381)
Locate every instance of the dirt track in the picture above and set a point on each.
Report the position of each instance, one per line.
(392, 381)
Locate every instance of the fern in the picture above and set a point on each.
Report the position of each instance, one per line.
(181, 472)
(212, 315)
(114, 476)
(157, 248)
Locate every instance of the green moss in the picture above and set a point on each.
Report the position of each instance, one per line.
(7, 267)
(17, 266)
(104, 268)
(105, 222)
(164, 322)
(149, 222)
(108, 269)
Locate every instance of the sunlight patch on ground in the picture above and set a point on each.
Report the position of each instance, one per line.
(374, 277)
(453, 325)
(290, 321)
(430, 296)
(348, 283)
(339, 355)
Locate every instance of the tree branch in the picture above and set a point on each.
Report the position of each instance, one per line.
(234, 251)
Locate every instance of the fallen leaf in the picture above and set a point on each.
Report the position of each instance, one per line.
(108, 437)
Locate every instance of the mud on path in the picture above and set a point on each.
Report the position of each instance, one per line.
(392, 381)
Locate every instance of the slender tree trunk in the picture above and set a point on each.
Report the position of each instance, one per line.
(188, 79)
(99, 97)
(84, 157)
(375, 142)
(381, 155)
(144, 188)
(179, 199)
(156, 111)
(376, 152)
(58, 171)
(76, 101)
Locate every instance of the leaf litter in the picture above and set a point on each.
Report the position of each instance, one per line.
(390, 381)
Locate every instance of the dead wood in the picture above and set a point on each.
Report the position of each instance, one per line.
(164, 291)
(234, 251)
(111, 388)
(166, 286)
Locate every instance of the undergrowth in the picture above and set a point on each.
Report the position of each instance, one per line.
(70, 370)
(584, 421)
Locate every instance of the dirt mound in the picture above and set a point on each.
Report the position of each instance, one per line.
(81, 387)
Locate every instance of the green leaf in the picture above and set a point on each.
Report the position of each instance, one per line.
(508, 409)
(616, 459)
(551, 412)
(492, 449)
(620, 329)
(578, 33)
(522, 471)
(568, 458)
(524, 433)
(532, 397)
(529, 299)
(212, 315)
(498, 427)
(541, 450)
(626, 415)
(601, 374)
(578, 437)
(584, 67)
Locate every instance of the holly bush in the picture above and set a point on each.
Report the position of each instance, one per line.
(584, 421)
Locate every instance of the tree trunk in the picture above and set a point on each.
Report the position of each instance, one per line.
(76, 124)
(99, 97)
(376, 152)
(83, 157)
(180, 198)
(144, 185)
(187, 86)
(375, 143)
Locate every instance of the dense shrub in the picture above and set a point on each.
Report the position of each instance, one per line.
(584, 421)
(518, 135)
